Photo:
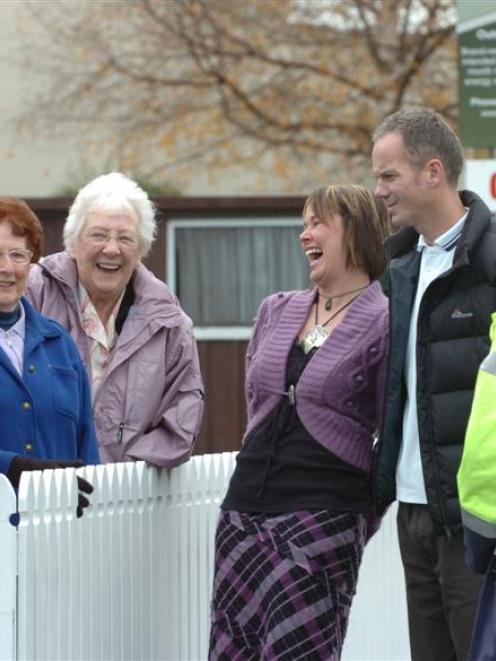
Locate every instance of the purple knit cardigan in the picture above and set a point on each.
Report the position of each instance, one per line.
(339, 395)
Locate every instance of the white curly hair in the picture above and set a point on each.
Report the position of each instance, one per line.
(113, 192)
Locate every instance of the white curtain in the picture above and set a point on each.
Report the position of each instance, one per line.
(224, 273)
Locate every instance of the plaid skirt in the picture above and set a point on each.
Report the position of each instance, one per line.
(283, 585)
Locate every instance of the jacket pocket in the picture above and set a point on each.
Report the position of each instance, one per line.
(65, 390)
(145, 388)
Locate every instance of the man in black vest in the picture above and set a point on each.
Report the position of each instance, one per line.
(442, 279)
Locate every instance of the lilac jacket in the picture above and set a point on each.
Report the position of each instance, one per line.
(340, 392)
(150, 403)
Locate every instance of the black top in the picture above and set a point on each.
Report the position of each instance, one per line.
(282, 468)
(126, 303)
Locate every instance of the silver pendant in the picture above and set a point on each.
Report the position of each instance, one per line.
(314, 338)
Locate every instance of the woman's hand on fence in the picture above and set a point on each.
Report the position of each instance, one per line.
(20, 464)
(83, 487)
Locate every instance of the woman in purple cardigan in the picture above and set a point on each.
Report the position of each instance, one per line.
(297, 513)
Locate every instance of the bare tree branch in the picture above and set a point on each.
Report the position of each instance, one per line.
(168, 84)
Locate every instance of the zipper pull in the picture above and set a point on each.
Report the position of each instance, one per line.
(291, 395)
(120, 433)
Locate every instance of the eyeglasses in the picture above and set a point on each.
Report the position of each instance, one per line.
(17, 255)
(123, 240)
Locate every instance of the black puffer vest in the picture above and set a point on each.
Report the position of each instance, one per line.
(453, 325)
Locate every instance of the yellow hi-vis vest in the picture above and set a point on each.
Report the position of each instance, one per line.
(477, 474)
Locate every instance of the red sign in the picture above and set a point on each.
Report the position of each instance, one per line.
(480, 177)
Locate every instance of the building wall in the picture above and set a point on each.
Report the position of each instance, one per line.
(45, 157)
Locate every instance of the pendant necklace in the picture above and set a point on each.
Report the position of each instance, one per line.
(316, 336)
(329, 300)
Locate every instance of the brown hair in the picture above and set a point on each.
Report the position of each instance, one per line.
(365, 221)
(24, 223)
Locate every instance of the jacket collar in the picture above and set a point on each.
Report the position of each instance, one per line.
(38, 328)
(62, 267)
(477, 222)
(38, 323)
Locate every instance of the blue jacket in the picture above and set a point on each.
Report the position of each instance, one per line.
(46, 414)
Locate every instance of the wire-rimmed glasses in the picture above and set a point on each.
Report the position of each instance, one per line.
(17, 255)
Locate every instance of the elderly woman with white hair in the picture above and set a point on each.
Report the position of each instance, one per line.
(134, 338)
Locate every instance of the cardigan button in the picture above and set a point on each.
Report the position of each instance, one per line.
(26, 406)
(28, 447)
(359, 378)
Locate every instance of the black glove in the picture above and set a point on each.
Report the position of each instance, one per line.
(20, 464)
(83, 502)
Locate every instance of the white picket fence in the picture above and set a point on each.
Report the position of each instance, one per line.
(131, 580)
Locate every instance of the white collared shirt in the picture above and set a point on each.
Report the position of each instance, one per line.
(12, 341)
(435, 260)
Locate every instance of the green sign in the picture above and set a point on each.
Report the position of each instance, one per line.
(477, 72)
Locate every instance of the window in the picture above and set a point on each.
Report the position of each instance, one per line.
(222, 269)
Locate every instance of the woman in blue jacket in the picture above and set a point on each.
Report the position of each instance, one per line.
(45, 402)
